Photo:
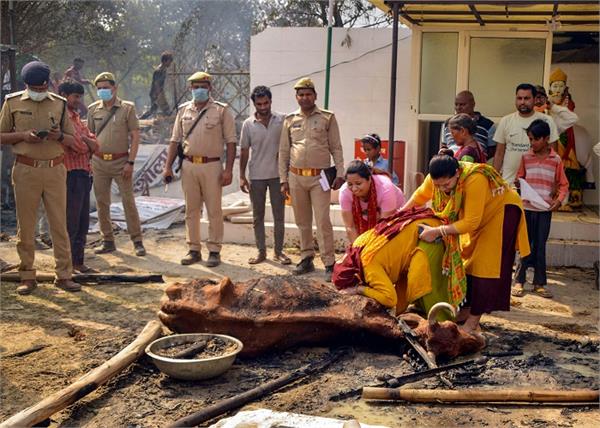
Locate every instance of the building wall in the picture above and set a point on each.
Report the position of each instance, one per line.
(360, 75)
(360, 83)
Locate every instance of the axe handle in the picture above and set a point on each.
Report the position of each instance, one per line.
(411, 338)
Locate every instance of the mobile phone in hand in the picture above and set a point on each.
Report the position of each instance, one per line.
(42, 134)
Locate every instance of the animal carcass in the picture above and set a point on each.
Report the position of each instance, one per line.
(276, 312)
(443, 338)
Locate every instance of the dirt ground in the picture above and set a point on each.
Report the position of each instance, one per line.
(558, 339)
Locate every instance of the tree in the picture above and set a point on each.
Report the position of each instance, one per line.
(313, 13)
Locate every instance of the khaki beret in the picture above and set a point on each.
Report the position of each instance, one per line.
(200, 76)
(104, 76)
(304, 83)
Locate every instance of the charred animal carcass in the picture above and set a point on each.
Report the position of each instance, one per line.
(277, 312)
(274, 312)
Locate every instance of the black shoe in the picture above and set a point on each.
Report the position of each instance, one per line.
(191, 257)
(140, 251)
(305, 266)
(107, 247)
(46, 239)
(328, 273)
(39, 245)
(214, 259)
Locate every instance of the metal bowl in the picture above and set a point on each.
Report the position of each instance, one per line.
(192, 369)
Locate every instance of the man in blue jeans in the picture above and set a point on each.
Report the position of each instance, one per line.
(260, 135)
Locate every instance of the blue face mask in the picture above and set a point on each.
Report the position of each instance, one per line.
(105, 94)
(200, 94)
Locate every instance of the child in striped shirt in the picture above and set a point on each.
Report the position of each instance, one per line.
(543, 170)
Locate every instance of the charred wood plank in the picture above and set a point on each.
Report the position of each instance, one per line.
(395, 382)
(239, 400)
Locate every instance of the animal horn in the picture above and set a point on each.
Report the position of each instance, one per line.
(436, 308)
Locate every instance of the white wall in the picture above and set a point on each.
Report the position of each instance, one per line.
(360, 81)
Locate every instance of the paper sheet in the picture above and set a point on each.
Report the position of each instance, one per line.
(324, 182)
(530, 195)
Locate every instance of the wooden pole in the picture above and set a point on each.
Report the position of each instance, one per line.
(234, 402)
(87, 278)
(87, 383)
(481, 395)
(409, 378)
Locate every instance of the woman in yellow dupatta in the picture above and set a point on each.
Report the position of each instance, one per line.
(477, 204)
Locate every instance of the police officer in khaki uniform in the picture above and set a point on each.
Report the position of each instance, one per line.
(35, 122)
(309, 138)
(115, 124)
(203, 126)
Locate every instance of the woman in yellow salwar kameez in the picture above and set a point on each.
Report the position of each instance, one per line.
(477, 204)
(392, 266)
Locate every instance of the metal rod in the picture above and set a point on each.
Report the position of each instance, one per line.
(487, 2)
(395, 14)
(328, 59)
(477, 15)
(502, 13)
(512, 22)
(12, 53)
(214, 73)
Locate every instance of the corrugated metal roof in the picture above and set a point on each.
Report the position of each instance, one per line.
(548, 14)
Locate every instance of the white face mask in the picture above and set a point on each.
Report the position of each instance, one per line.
(37, 96)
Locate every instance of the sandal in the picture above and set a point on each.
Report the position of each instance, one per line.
(541, 291)
(260, 257)
(282, 258)
(517, 291)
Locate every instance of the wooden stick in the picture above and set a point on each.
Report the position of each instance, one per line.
(191, 351)
(413, 341)
(27, 351)
(239, 400)
(481, 395)
(87, 383)
(87, 278)
(408, 378)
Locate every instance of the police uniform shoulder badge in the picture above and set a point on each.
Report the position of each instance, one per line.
(14, 94)
(58, 97)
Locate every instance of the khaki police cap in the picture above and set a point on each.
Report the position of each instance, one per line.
(104, 76)
(200, 76)
(304, 83)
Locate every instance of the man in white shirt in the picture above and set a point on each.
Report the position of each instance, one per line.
(511, 137)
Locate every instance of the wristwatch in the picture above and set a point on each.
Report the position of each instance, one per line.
(130, 162)
(62, 137)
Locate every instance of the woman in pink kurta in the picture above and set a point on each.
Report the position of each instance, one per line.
(366, 197)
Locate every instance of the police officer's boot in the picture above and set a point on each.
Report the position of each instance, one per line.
(107, 247)
(305, 266)
(26, 286)
(191, 257)
(214, 259)
(140, 251)
(67, 285)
